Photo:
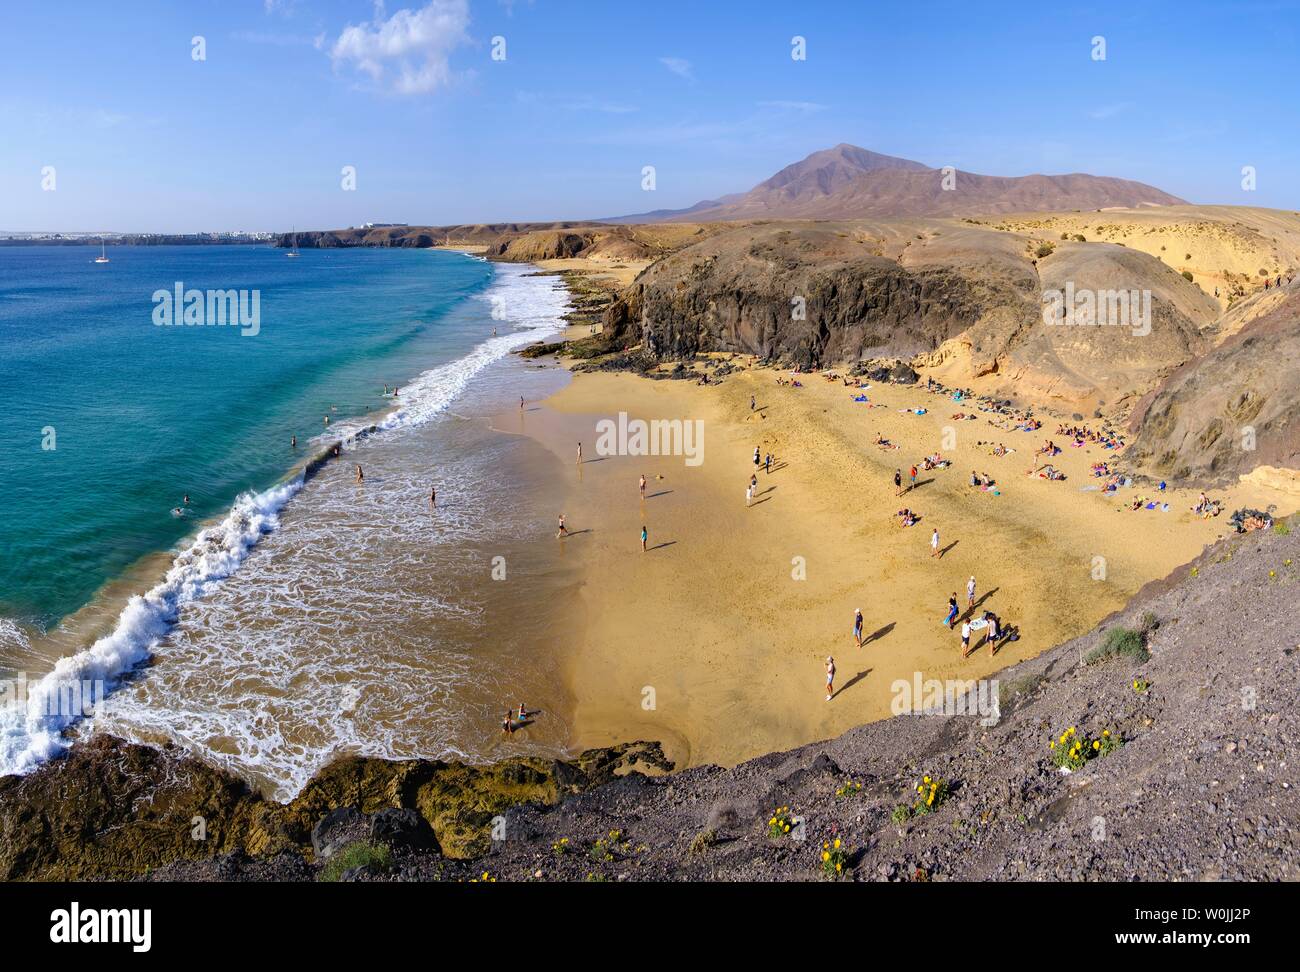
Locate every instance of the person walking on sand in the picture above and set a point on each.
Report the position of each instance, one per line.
(934, 543)
(857, 626)
(579, 453)
(749, 494)
(913, 483)
(643, 486)
(645, 536)
(751, 403)
(521, 403)
(830, 677)
(767, 463)
(755, 457)
(970, 592)
(563, 531)
(898, 482)
(952, 611)
(965, 638)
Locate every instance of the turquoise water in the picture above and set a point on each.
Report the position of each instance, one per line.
(144, 414)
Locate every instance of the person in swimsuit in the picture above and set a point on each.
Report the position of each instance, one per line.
(898, 482)
(563, 531)
(293, 442)
(645, 535)
(643, 485)
(857, 626)
(749, 494)
(913, 483)
(433, 496)
(755, 457)
(830, 677)
(360, 475)
(993, 632)
(952, 611)
(579, 453)
(934, 543)
(507, 724)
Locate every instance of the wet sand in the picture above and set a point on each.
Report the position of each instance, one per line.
(710, 642)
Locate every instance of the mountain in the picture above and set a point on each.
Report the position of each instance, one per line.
(847, 182)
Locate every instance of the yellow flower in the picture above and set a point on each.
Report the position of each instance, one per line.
(837, 843)
(927, 779)
(1096, 744)
(839, 867)
(826, 855)
(1105, 732)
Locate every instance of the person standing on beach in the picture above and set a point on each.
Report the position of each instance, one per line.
(970, 592)
(992, 632)
(755, 457)
(898, 482)
(934, 543)
(767, 462)
(952, 611)
(749, 494)
(521, 403)
(857, 626)
(965, 638)
(563, 531)
(643, 486)
(433, 497)
(830, 677)
(360, 475)
(645, 535)
(751, 403)
(913, 483)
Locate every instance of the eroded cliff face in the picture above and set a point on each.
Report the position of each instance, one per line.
(811, 296)
(967, 300)
(1234, 409)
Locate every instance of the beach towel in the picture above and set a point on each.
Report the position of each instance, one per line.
(859, 398)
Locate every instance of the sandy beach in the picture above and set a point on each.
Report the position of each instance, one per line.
(714, 640)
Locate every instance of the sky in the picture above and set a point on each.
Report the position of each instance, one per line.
(456, 111)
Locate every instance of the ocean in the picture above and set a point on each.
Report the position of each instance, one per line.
(278, 618)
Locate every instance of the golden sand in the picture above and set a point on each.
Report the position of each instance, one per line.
(710, 643)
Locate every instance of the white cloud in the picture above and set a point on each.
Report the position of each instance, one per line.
(1108, 111)
(410, 51)
(679, 66)
(807, 107)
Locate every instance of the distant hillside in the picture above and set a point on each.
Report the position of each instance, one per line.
(847, 182)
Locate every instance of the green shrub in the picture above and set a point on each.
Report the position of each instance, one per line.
(358, 854)
(1119, 641)
(1044, 250)
(1187, 275)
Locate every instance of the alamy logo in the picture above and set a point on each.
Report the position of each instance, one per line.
(1084, 308)
(658, 437)
(237, 308)
(131, 925)
(948, 697)
(67, 698)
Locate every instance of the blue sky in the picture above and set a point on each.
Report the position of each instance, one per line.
(142, 137)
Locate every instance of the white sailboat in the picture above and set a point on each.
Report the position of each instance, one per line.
(294, 252)
(103, 256)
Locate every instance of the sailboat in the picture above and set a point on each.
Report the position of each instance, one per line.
(103, 256)
(294, 252)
